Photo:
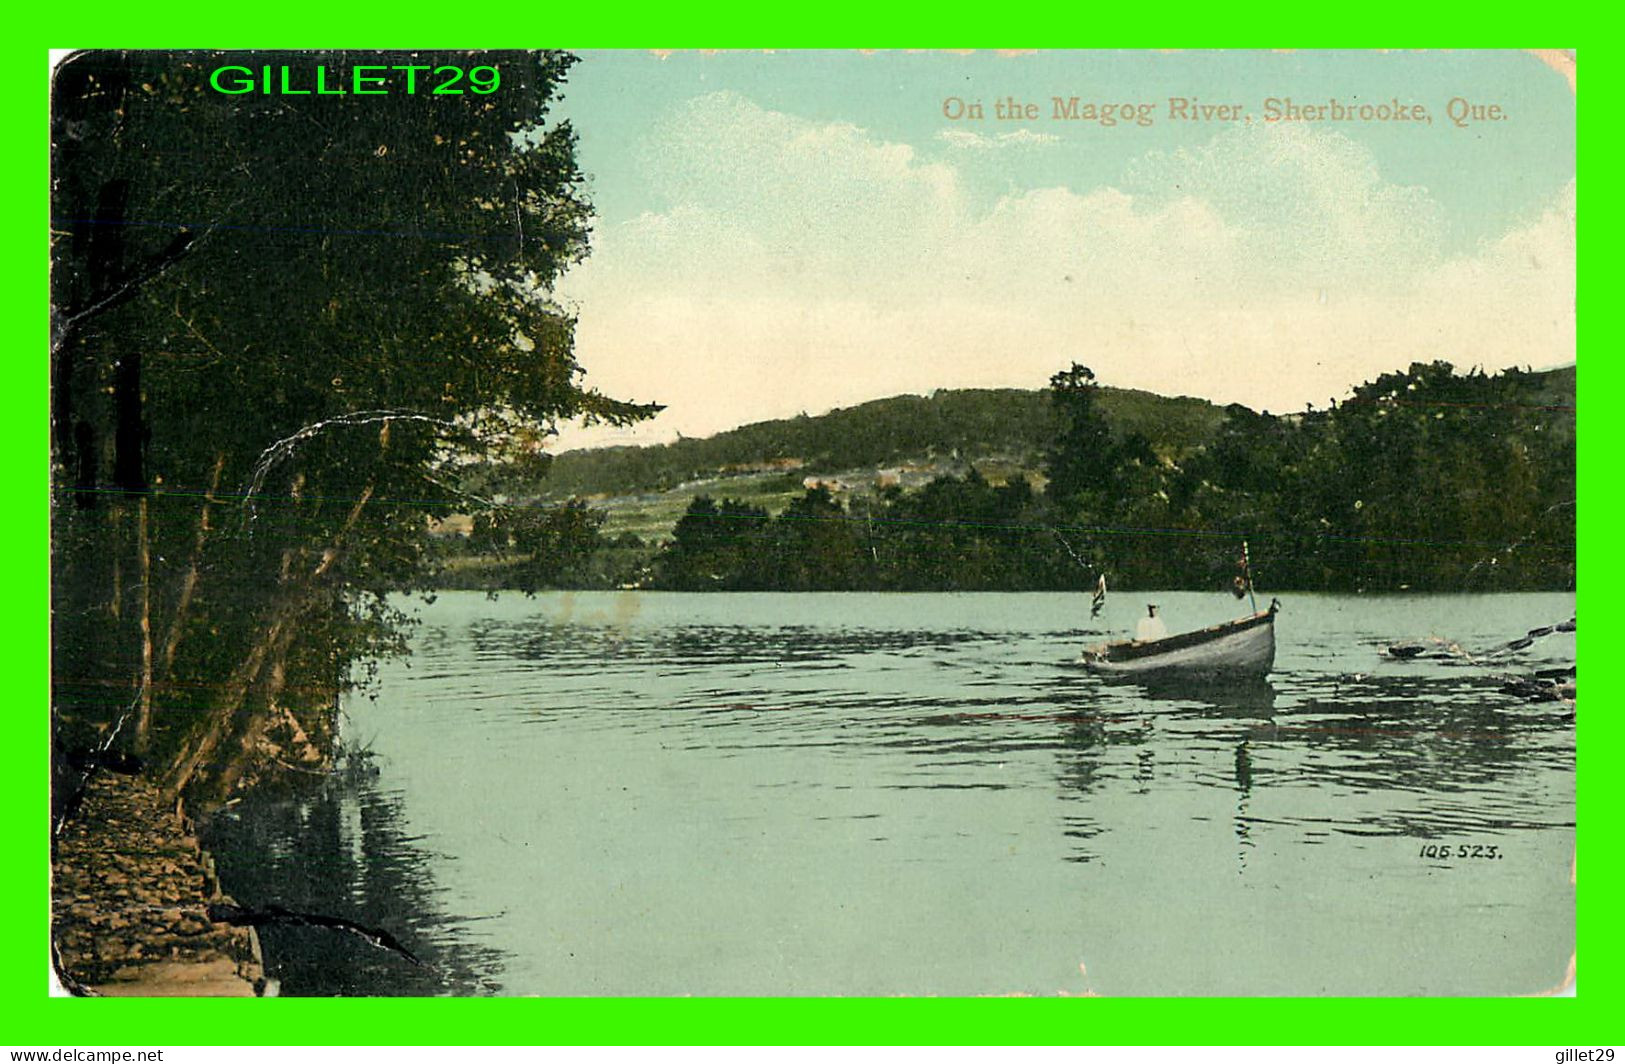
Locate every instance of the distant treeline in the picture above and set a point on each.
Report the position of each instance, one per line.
(1425, 479)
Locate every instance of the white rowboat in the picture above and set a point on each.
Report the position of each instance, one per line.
(1239, 648)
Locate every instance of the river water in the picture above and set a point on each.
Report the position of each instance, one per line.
(763, 794)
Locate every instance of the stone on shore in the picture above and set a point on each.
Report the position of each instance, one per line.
(130, 889)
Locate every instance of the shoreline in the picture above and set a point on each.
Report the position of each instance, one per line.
(131, 888)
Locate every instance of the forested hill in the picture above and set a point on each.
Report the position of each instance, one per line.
(1422, 479)
(972, 423)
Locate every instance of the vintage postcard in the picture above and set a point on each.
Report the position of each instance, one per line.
(830, 523)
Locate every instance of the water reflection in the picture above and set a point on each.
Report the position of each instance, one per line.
(1240, 697)
(341, 851)
(710, 784)
(1397, 755)
(1244, 769)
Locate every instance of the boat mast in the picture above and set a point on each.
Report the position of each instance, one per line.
(1247, 571)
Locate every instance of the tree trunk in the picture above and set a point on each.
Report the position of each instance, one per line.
(183, 601)
(115, 602)
(188, 761)
(283, 615)
(259, 722)
(143, 558)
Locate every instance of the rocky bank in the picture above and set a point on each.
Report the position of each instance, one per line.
(130, 890)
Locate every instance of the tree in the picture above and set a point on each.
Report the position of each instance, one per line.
(816, 545)
(1079, 459)
(281, 326)
(717, 547)
(553, 544)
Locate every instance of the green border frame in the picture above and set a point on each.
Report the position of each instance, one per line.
(35, 1019)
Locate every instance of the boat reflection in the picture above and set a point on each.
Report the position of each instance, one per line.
(1207, 696)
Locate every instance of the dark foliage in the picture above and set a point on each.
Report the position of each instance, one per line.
(1424, 479)
(280, 324)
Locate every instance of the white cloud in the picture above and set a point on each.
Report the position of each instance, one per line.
(1017, 138)
(805, 265)
(1305, 206)
(817, 191)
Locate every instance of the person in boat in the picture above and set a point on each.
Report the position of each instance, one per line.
(1151, 626)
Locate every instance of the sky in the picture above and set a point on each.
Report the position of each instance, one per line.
(792, 232)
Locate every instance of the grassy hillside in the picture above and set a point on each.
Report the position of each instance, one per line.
(970, 424)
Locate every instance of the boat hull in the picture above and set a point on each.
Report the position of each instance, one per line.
(1244, 648)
